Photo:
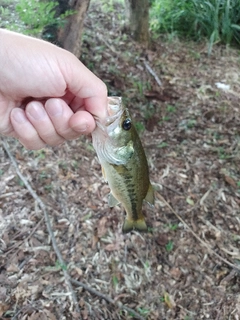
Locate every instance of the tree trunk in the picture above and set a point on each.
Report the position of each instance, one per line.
(137, 12)
(70, 35)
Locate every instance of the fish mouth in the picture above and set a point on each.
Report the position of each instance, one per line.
(114, 105)
(114, 112)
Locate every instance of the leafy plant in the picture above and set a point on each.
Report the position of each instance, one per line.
(169, 246)
(162, 145)
(143, 311)
(171, 109)
(139, 126)
(172, 227)
(36, 15)
(216, 20)
(115, 281)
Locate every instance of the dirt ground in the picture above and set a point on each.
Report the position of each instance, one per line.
(186, 269)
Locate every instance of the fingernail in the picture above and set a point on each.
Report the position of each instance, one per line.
(18, 115)
(36, 111)
(83, 127)
(54, 109)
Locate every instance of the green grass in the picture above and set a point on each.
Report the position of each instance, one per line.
(162, 145)
(31, 16)
(139, 127)
(216, 20)
(169, 246)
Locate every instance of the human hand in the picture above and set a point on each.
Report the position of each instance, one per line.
(47, 95)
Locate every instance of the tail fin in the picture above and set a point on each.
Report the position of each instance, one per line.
(139, 225)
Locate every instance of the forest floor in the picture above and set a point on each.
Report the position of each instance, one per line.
(187, 269)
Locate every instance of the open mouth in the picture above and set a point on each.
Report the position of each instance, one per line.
(114, 105)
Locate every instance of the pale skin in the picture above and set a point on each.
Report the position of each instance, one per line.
(47, 96)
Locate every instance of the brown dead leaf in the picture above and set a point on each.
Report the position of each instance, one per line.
(12, 268)
(175, 273)
(42, 315)
(112, 247)
(230, 181)
(102, 228)
(3, 308)
(168, 299)
(161, 239)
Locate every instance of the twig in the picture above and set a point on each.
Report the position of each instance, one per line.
(107, 298)
(199, 239)
(153, 73)
(7, 195)
(25, 239)
(48, 224)
(171, 189)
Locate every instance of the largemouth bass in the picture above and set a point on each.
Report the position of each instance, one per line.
(124, 164)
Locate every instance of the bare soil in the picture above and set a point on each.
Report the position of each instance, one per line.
(191, 132)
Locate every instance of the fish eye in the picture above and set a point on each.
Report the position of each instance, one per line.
(126, 125)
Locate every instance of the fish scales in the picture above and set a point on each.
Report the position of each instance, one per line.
(124, 163)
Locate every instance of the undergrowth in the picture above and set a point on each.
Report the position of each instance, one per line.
(216, 20)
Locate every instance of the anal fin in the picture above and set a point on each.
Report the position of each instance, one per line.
(150, 195)
(112, 201)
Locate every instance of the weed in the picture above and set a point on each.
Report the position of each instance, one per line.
(63, 165)
(48, 187)
(115, 281)
(169, 246)
(222, 153)
(20, 182)
(139, 127)
(146, 265)
(171, 109)
(1, 172)
(87, 216)
(216, 20)
(36, 15)
(75, 164)
(165, 118)
(43, 175)
(58, 264)
(143, 311)
(139, 86)
(162, 145)
(172, 227)
(149, 112)
(40, 154)
(191, 123)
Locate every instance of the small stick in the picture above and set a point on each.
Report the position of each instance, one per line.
(107, 298)
(199, 239)
(48, 224)
(153, 73)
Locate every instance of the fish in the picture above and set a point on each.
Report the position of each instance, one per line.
(124, 164)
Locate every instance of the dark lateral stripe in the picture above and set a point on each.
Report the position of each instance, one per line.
(134, 211)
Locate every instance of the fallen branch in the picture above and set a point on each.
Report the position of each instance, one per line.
(153, 73)
(107, 298)
(68, 279)
(48, 224)
(198, 238)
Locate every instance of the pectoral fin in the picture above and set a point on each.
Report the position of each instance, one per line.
(150, 195)
(112, 201)
(104, 174)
